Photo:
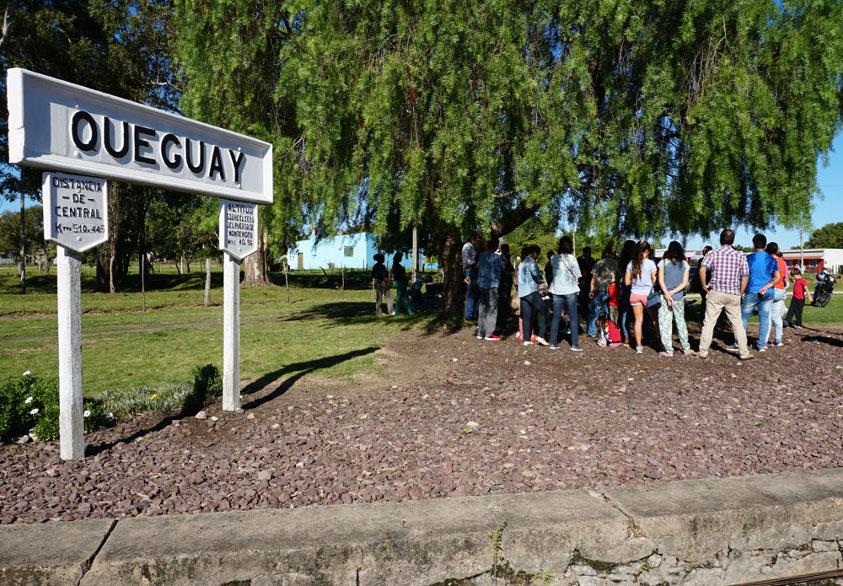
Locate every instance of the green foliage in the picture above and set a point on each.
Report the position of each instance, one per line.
(207, 384)
(33, 230)
(28, 402)
(620, 117)
(188, 398)
(829, 236)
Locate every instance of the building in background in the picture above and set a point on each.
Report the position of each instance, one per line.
(816, 259)
(350, 251)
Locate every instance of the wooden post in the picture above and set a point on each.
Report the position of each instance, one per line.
(231, 334)
(69, 288)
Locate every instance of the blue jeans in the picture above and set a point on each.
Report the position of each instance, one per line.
(764, 303)
(559, 302)
(471, 303)
(599, 305)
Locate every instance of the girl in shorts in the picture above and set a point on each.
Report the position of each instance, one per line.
(640, 277)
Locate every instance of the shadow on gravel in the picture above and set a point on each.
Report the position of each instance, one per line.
(824, 340)
(300, 369)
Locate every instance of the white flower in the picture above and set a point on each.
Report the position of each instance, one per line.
(27, 373)
(87, 413)
(28, 401)
(34, 411)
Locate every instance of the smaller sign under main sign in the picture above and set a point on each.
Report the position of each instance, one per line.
(238, 228)
(75, 210)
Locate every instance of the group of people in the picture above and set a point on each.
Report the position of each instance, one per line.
(630, 289)
(383, 280)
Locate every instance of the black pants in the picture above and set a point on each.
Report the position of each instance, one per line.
(795, 309)
(531, 305)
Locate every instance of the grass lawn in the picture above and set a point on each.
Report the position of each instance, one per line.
(314, 328)
(334, 331)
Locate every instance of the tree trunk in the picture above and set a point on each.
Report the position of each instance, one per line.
(453, 302)
(255, 265)
(107, 254)
(181, 264)
(207, 281)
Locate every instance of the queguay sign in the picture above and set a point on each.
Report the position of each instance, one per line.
(56, 125)
(82, 137)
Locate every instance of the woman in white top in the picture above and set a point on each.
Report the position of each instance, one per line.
(565, 289)
(640, 277)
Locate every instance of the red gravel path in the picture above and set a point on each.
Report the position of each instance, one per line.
(564, 420)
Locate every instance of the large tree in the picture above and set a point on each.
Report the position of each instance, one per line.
(627, 116)
(828, 236)
(116, 46)
(228, 51)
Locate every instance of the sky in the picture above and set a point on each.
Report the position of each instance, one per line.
(828, 208)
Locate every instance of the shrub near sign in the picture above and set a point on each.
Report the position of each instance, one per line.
(75, 210)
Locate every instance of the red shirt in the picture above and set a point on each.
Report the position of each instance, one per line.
(800, 287)
(782, 282)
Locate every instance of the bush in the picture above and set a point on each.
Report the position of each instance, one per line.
(207, 384)
(30, 404)
(144, 399)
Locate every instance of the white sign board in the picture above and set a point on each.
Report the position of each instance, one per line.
(75, 210)
(56, 125)
(238, 228)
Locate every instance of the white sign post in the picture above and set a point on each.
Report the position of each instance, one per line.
(76, 219)
(238, 239)
(58, 125)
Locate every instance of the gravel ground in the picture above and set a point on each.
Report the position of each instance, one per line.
(459, 417)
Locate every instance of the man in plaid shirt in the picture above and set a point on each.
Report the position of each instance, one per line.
(729, 277)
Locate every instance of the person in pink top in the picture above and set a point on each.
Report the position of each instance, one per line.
(780, 290)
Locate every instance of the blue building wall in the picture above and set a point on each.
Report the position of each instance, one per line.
(352, 251)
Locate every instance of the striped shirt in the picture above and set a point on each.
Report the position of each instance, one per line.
(727, 267)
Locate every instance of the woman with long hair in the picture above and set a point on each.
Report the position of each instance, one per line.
(624, 309)
(640, 278)
(780, 291)
(674, 273)
(565, 289)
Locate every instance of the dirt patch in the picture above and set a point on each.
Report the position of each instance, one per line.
(451, 415)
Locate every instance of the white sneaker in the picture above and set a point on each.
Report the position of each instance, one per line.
(639, 349)
(527, 343)
(541, 341)
(479, 337)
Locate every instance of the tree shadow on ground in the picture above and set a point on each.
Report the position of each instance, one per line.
(300, 369)
(352, 313)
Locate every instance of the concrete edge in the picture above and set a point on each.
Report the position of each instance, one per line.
(692, 523)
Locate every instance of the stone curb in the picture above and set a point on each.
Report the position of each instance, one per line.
(713, 531)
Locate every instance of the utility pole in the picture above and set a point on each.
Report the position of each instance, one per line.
(415, 250)
(22, 243)
(801, 252)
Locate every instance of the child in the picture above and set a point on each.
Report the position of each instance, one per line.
(613, 332)
(383, 288)
(800, 291)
